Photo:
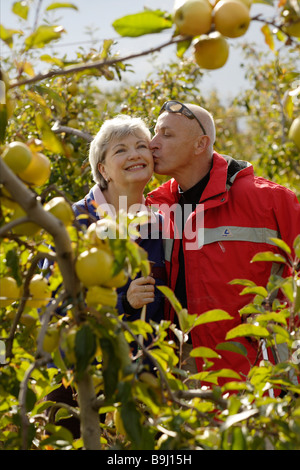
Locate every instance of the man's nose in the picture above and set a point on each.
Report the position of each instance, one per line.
(154, 143)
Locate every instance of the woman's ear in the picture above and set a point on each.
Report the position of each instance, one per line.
(102, 170)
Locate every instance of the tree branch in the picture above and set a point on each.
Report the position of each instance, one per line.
(95, 65)
(57, 129)
(36, 213)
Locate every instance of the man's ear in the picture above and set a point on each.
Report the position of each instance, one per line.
(202, 144)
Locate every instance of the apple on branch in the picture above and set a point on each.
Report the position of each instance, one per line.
(211, 51)
(192, 17)
(231, 18)
(294, 132)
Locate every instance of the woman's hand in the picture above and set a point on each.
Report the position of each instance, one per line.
(141, 291)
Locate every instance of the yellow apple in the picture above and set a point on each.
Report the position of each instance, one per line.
(38, 171)
(73, 123)
(60, 208)
(192, 17)
(99, 295)
(27, 229)
(17, 156)
(119, 280)
(39, 290)
(9, 291)
(94, 267)
(93, 237)
(294, 132)
(7, 200)
(51, 339)
(231, 18)
(72, 88)
(211, 51)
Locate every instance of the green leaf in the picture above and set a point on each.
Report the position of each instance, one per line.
(257, 290)
(50, 140)
(43, 35)
(140, 436)
(55, 5)
(268, 256)
(202, 351)
(171, 298)
(7, 35)
(271, 317)
(138, 24)
(288, 290)
(242, 282)
(247, 330)
(279, 330)
(233, 346)
(21, 9)
(238, 439)
(211, 316)
(85, 347)
(288, 105)
(281, 244)
(296, 246)
(182, 47)
(52, 60)
(57, 100)
(186, 320)
(250, 309)
(110, 367)
(213, 376)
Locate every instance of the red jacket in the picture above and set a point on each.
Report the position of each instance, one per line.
(241, 212)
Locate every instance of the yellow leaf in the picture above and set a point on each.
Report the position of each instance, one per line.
(269, 40)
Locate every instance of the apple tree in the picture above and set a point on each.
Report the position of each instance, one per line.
(59, 331)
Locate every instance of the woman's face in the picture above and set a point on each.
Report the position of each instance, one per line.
(128, 161)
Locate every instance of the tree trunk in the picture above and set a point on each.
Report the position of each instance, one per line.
(89, 415)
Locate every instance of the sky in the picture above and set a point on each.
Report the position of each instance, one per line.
(98, 16)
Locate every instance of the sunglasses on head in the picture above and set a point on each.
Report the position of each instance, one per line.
(177, 107)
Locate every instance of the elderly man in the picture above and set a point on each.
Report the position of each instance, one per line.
(231, 216)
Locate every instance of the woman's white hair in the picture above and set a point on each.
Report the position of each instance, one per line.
(113, 129)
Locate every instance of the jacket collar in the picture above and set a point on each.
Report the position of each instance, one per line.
(223, 173)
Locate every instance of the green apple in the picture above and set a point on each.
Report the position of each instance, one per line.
(192, 17)
(231, 18)
(294, 132)
(17, 156)
(211, 51)
(60, 208)
(26, 229)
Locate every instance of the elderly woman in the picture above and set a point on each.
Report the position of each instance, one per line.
(122, 164)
